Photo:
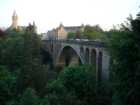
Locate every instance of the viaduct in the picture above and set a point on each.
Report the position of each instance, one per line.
(74, 52)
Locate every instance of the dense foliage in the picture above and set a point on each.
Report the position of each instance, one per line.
(90, 32)
(71, 35)
(125, 69)
(20, 64)
(25, 79)
(76, 86)
(7, 85)
(93, 32)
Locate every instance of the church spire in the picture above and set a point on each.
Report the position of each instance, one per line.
(14, 13)
(14, 20)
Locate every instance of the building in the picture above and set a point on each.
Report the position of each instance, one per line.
(58, 33)
(51, 34)
(14, 21)
(61, 32)
(15, 25)
(75, 29)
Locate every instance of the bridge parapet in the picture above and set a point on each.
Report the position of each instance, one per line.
(80, 42)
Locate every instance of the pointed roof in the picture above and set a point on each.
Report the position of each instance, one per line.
(14, 13)
(34, 23)
(61, 24)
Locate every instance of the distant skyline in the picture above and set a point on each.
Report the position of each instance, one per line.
(48, 14)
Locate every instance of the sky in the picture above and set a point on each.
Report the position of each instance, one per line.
(48, 14)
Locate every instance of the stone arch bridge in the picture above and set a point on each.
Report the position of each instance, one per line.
(73, 52)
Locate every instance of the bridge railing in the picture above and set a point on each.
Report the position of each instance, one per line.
(79, 41)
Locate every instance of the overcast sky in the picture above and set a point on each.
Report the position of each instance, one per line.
(48, 14)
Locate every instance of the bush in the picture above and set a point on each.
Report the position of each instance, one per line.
(29, 97)
(74, 86)
(7, 85)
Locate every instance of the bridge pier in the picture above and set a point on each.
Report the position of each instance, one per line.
(90, 57)
(105, 65)
(86, 56)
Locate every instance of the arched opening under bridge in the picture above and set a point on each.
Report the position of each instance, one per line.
(68, 57)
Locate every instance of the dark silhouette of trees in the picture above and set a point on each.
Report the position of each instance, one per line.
(2, 33)
(125, 69)
(32, 71)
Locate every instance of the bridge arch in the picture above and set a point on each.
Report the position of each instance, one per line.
(68, 55)
(46, 58)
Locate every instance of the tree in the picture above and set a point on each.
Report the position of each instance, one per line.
(71, 35)
(125, 69)
(2, 33)
(93, 32)
(126, 26)
(7, 85)
(32, 71)
(135, 92)
(74, 86)
(29, 97)
(11, 51)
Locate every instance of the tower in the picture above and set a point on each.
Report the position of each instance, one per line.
(34, 27)
(14, 20)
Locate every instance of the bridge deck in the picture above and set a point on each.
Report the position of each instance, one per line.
(80, 42)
